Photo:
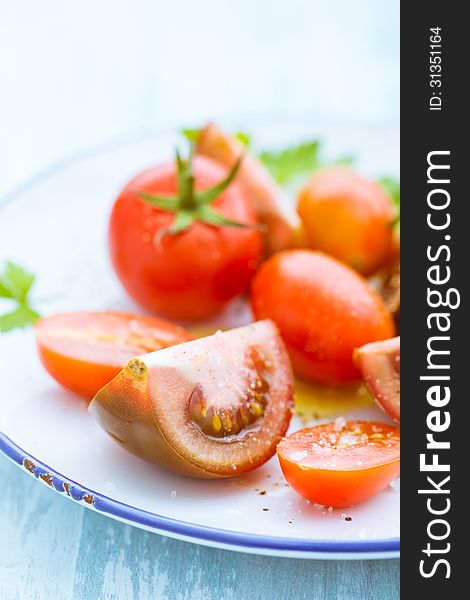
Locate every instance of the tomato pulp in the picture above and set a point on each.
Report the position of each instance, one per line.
(340, 464)
(84, 351)
(212, 407)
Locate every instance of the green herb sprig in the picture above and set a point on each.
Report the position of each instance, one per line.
(15, 285)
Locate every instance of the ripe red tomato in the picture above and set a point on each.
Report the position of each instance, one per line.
(193, 273)
(84, 351)
(323, 309)
(348, 217)
(341, 465)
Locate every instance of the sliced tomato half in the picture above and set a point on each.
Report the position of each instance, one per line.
(84, 351)
(341, 464)
(213, 407)
(379, 363)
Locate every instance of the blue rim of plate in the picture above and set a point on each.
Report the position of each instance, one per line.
(159, 523)
(389, 547)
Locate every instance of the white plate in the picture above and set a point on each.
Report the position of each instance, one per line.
(57, 227)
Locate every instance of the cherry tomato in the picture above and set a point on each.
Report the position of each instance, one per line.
(84, 351)
(348, 217)
(341, 465)
(323, 309)
(191, 273)
(213, 407)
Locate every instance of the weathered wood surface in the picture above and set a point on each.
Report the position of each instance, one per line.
(52, 548)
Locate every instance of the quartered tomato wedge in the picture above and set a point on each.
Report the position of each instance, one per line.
(379, 363)
(84, 351)
(213, 407)
(341, 464)
(259, 187)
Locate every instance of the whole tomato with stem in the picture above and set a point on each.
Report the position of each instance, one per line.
(348, 217)
(184, 239)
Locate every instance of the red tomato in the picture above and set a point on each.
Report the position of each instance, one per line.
(84, 351)
(191, 274)
(323, 309)
(348, 217)
(379, 363)
(341, 465)
(214, 407)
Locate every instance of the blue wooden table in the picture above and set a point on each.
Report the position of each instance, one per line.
(52, 548)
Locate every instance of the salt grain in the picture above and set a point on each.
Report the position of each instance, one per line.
(340, 423)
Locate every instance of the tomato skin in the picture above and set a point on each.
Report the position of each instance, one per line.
(348, 217)
(341, 476)
(193, 274)
(323, 309)
(84, 351)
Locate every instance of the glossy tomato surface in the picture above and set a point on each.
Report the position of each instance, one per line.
(340, 464)
(323, 309)
(213, 407)
(192, 274)
(348, 217)
(84, 351)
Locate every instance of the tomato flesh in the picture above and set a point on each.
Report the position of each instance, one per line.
(380, 366)
(341, 464)
(84, 351)
(213, 407)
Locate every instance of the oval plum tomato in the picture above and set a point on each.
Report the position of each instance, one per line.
(348, 217)
(341, 465)
(84, 351)
(183, 238)
(213, 407)
(379, 363)
(323, 309)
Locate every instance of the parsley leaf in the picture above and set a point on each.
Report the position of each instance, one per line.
(244, 138)
(296, 161)
(191, 134)
(18, 318)
(15, 284)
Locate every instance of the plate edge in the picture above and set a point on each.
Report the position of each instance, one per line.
(209, 536)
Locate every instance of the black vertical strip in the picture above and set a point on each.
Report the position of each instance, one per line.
(424, 131)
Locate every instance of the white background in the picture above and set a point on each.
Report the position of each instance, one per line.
(74, 74)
